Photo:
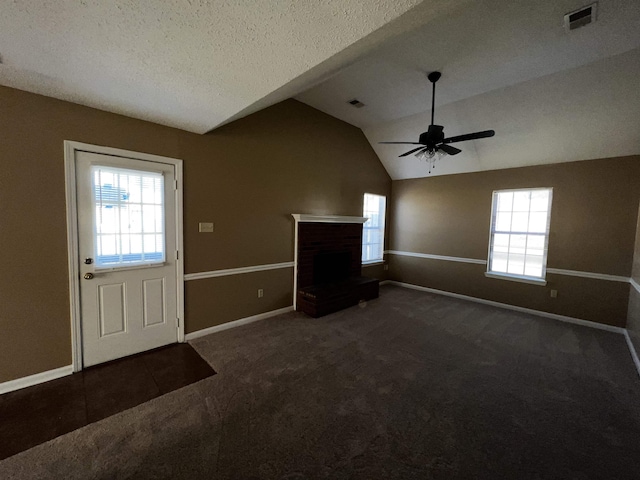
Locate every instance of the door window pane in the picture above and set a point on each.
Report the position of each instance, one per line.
(129, 217)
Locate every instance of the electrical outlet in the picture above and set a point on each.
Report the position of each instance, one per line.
(386, 267)
(554, 293)
(260, 293)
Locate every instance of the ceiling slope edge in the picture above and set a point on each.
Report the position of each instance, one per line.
(584, 113)
(414, 18)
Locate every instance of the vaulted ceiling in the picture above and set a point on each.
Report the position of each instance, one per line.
(509, 65)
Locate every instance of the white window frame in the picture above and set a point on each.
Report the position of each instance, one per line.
(380, 228)
(492, 231)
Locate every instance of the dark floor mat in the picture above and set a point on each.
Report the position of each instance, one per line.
(34, 415)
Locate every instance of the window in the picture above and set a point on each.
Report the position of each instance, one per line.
(520, 234)
(373, 230)
(129, 217)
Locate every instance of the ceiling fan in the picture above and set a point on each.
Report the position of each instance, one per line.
(432, 142)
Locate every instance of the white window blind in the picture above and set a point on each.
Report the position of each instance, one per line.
(129, 217)
(374, 207)
(520, 233)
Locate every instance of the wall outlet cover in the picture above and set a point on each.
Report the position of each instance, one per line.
(205, 227)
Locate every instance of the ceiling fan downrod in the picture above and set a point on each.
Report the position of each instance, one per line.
(433, 78)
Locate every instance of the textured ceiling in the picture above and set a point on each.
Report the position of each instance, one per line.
(507, 65)
(192, 64)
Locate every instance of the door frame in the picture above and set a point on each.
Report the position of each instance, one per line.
(70, 149)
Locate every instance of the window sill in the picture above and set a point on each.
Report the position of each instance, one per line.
(516, 278)
(371, 263)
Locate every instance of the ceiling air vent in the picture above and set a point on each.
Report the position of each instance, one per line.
(356, 103)
(580, 18)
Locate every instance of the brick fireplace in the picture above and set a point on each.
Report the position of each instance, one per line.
(328, 267)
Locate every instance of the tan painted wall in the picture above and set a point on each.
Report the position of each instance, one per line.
(593, 218)
(635, 271)
(633, 313)
(376, 270)
(247, 178)
(236, 297)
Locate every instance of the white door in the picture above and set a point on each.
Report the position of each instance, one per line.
(127, 255)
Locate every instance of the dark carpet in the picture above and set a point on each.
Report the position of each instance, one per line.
(410, 385)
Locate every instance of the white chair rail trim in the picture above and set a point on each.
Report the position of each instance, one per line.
(598, 276)
(237, 271)
(305, 217)
(555, 271)
(437, 257)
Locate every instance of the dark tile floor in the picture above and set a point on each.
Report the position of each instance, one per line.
(40, 413)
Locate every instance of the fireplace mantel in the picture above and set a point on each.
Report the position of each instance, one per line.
(305, 217)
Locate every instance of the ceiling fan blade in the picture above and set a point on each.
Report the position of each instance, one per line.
(401, 143)
(448, 149)
(411, 151)
(470, 136)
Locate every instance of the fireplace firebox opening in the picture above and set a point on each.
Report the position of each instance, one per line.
(331, 267)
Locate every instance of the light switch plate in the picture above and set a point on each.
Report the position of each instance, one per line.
(205, 227)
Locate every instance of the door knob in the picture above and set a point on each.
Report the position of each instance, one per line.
(88, 276)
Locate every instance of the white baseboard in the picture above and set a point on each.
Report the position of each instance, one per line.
(562, 318)
(236, 323)
(385, 282)
(632, 350)
(35, 379)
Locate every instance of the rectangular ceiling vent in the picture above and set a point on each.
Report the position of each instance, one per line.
(580, 18)
(356, 103)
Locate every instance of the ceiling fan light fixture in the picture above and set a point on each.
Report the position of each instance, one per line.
(430, 156)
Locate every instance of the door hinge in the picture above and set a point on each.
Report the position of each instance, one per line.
(177, 323)
(177, 254)
(175, 184)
